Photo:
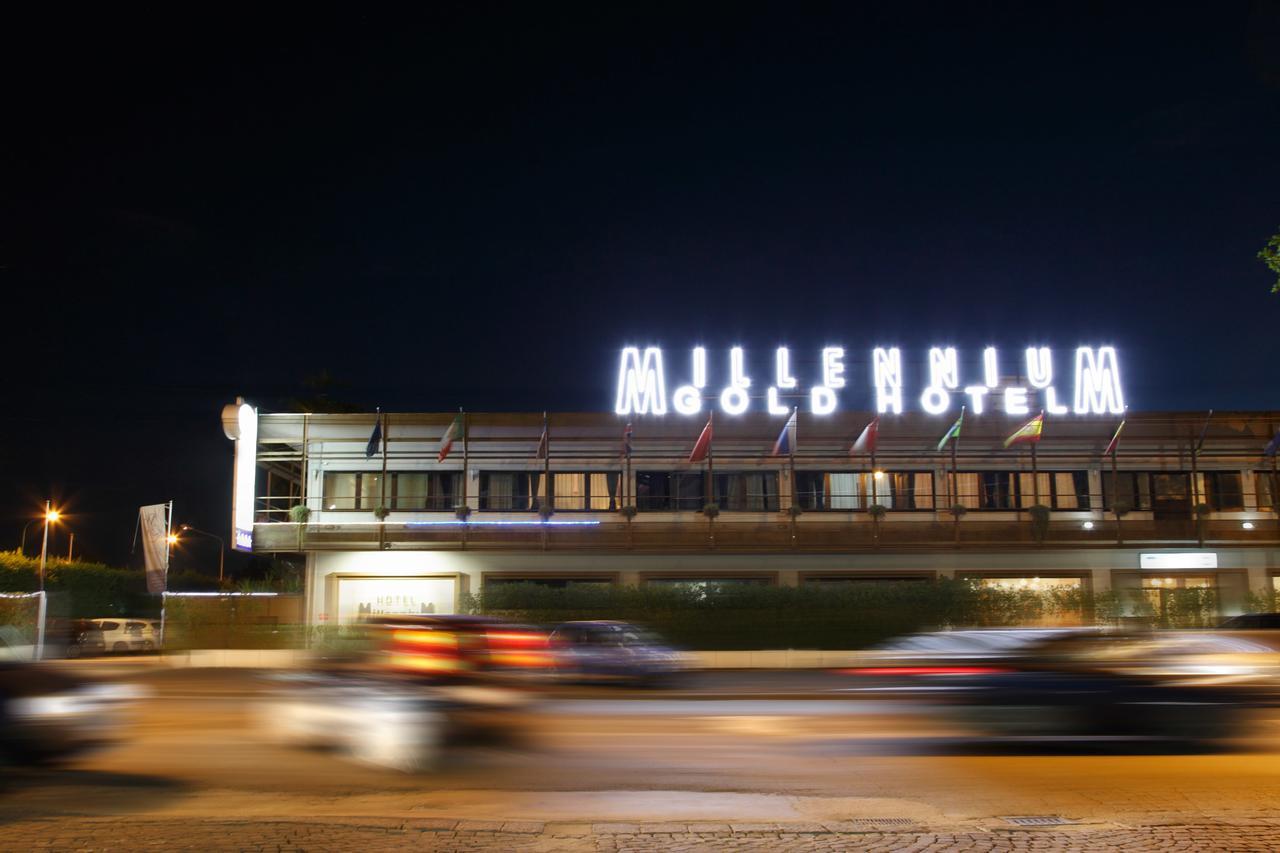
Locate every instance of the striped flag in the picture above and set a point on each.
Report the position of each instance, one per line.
(786, 442)
(954, 432)
(450, 436)
(703, 445)
(1028, 433)
(866, 442)
(1115, 441)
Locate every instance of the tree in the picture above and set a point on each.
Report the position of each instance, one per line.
(1270, 255)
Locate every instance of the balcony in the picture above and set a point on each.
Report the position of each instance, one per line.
(757, 532)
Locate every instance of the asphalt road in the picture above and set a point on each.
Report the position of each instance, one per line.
(782, 749)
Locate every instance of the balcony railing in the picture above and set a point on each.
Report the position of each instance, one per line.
(611, 532)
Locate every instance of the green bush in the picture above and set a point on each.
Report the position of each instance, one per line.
(749, 616)
(87, 590)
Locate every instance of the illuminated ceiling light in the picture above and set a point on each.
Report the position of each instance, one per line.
(1248, 525)
(1088, 525)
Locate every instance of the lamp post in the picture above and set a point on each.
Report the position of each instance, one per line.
(22, 547)
(222, 546)
(50, 514)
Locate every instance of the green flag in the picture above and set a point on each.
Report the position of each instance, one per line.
(954, 432)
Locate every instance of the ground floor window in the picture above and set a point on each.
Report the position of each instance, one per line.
(1032, 584)
(708, 587)
(837, 580)
(1181, 601)
(548, 582)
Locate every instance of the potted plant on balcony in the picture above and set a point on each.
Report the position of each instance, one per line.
(711, 510)
(877, 513)
(299, 513)
(628, 512)
(462, 512)
(381, 513)
(545, 511)
(1039, 522)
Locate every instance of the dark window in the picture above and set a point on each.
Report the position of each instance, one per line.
(549, 583)
(1170, 494)
(1224, 491)
(986, 490)
(1129, 489)
(669, 491)
(747, 492)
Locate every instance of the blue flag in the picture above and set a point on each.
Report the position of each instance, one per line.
(375, 440)
(786, 442)
(1272, 446)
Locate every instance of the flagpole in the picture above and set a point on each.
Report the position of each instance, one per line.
(955, 476)
(382, 419)
(711, 464)
(791, 445)
(875, 498)
(546, 459)
(1035, 471)
(466, 468)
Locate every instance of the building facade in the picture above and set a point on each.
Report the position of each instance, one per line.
(389, 522)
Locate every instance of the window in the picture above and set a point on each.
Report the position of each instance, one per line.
(550, 582)
(838, 580)
(1223, 490)
(708, 587)
(669, 491)
(1056, 489)
(586, 491)
(1264, 486)
(406, 490)
(1127, 489)
(1170, 494)
(904, 490)
(986, 490)
(511, 492)
(747, 492)
(1031, 584)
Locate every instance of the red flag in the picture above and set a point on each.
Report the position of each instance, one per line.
(866, 442)
(541, 452)
(703, 446)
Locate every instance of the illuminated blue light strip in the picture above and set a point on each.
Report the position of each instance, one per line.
(518, 523)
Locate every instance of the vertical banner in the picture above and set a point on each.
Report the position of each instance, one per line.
(154, 520)
(240, 423)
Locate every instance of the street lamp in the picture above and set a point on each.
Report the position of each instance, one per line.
(50, 515)
(222, 546)
(22, 547)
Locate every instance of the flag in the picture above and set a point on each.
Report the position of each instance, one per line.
(155, 545)
(786, 442)
(626, 441)
(954, 432)
(541, 452)
(375, 438)
(1115, 441)
(1272, 446)
(866, 442)
(703, 445)
(1028, 433)
(450, 435)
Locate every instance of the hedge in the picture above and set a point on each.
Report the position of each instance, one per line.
(843, 616)
(87, 590)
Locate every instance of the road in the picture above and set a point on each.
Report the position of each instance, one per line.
(753, 760)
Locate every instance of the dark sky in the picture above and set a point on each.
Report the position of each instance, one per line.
(478, 205)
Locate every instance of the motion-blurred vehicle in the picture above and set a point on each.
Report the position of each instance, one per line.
(48, 715)
(461, 648)
(611, 651)
(1190, 686)
(420, 684)
(1252, 622)
(72, 638)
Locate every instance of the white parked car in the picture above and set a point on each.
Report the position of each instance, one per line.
(125, 635)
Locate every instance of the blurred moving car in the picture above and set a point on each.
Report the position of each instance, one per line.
(72, 638)
(47, 714)
(611, 651)
(1081, 683)
(461, 647)
(1252, 622)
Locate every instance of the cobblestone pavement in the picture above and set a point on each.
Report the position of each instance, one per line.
(447, 835)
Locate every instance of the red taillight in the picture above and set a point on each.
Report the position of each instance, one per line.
(924, 670)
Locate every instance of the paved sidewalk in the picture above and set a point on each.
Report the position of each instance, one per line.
(112, 834)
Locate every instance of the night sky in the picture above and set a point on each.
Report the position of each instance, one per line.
(476, 207)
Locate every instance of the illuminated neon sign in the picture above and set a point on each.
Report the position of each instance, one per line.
(1096, 388)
